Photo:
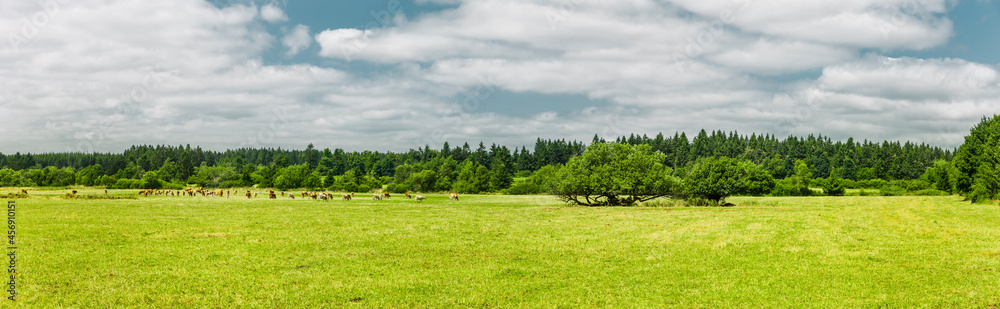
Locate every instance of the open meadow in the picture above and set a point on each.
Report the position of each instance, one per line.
(504, 251)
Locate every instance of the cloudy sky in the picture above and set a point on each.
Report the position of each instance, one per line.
(101, 75)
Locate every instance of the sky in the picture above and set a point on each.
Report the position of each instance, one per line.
(393, 75)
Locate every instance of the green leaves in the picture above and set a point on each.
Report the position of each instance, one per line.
(612, 174)
(717, 178)
(978, 161)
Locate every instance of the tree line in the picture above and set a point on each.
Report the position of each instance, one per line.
(461, 169)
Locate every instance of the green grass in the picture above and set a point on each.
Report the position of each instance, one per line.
(505, 251)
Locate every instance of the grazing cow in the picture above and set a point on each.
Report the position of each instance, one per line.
(352, 193)
(453, 196)
(282, 193)
(255, 195)
(248, 194)
(346, 197)
(271, 195)
(386, 195)
(313, 195)
(23, 191)
(105, 191)
(324, 197)
(377, 197)
(74, 192)
(420, 198)
(408, 195)
(291, 195)
(305, 194)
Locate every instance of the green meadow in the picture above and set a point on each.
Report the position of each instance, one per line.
(503, 251)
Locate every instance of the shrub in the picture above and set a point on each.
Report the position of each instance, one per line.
(930, 192)
(833, 186)
(524, 187)
(891, 190)
(397, 188)
(791, 186)
(350, 186)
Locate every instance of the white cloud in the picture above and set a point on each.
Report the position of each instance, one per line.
(297, 39)
(198, 75)
(272, 14)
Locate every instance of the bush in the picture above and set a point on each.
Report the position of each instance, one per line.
(931, 192)
(364, 188)
(791, 186)
(819, 182)
(918, 185)
(833, 186)
(848, 184)
(128, 184)
(350, 186)
(172, 185)
(871, 183)
(891, 190)
(523, 188)
(398, 188)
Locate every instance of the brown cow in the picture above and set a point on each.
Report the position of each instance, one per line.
(249, 194)
(453, 196)
(23, 191)
(271, 195)
(346, 197)
(291, 195)
(408, 195)
(74, 192)
(420, 198)
(376, 197)
(386, 195)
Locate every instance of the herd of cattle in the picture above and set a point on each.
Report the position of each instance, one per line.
(321, 196)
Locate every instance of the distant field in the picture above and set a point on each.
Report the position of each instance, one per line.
(504, 251)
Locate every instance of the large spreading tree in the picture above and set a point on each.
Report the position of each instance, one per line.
(613, 174)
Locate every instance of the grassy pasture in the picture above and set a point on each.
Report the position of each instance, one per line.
(504, 251)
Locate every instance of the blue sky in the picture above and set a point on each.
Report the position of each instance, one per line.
(101, 75)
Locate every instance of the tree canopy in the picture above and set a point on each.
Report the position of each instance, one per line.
(715, 179)
(978, 160)
(612, 174)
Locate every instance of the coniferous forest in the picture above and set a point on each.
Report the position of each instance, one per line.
(465, 168)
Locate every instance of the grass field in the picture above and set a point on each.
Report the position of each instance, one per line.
(505, 251)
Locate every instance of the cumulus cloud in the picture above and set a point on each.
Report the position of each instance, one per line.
(297, 39)
(103, 75)
(272, 13)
